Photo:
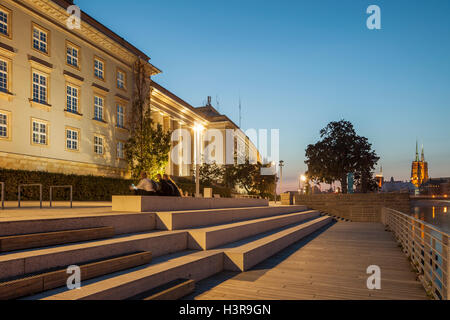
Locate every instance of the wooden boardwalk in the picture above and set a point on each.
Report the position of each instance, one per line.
(327, 265)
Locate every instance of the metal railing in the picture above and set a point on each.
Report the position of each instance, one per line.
(427, 248)
(3, 194)
(30, 185)
(62, 187)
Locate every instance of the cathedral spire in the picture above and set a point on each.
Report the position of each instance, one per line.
(423, 155)
(417, 151)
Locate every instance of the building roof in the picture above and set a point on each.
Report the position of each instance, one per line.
(103, 29)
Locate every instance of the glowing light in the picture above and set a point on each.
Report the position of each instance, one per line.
(303, 178)
(198, 127)
(445, 196)
(434, 212)
(445, 209)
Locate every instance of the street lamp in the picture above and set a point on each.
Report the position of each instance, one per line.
(198, 128)
(281, 164)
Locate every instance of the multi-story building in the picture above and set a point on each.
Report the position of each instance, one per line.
(65, 93)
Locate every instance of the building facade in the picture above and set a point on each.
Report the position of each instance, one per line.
(65, 94)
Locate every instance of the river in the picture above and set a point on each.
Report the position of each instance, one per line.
(435, 212)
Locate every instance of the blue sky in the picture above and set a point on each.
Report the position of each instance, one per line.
(298, 65)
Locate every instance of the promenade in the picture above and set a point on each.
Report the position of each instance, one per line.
(330, 264)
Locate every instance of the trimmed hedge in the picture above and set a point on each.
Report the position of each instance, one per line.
(85, 188)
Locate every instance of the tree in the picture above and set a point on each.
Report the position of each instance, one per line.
(211, 174)
(148, 147)
(339, 152)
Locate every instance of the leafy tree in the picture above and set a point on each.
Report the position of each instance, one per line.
(339, 152)
(148, 147)
(211, 174)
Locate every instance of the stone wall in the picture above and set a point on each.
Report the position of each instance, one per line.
(30, 163)
(355, 207)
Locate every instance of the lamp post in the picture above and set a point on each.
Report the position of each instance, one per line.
(281, 164)
(303, 180)
(198, 128)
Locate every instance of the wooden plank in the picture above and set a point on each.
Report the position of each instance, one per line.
(36, 240)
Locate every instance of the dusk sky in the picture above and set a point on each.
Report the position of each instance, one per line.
(298, 65)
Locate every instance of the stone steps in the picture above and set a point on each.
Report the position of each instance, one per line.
(243, 257)
(191, 265)
(197, 218)
(36, 240)
(25, 262)
(212, 237)
(173, 290)
(123, 223)
(33, 284)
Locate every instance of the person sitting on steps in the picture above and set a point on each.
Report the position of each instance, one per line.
(165, 189)
(145, 187)
(176, 191)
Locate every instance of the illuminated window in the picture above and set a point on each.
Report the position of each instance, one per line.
(40, 84)
(40, 39)
(72, 137)
(72, 99)
(98, 145)
(120, 150)
(98, 108)
(72, 55)
(99, 69)
(5, 22)
(121, 79)
(3, 125)
(120, 116)
(40, 132)
(4, 75)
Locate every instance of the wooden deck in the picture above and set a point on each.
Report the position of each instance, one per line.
(330, 264)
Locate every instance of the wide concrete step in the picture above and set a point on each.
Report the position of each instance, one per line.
(197, 218)
(190, 265)
(123, 223)
(30, 261)
(36, 240)
(33, 284)
(212, 237)
(173, 290)
(243, 257)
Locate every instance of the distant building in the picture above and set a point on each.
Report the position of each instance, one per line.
(380, 179)
(436, 186)
(419, 169)
(398, 186)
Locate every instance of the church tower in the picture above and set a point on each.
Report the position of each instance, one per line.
(419, 168)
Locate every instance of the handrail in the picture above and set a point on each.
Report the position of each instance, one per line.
(426, 246)
(31, 185)
(63, 187)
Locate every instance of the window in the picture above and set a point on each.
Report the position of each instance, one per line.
(4, 87)
(5, 22)
(40, 132)
(72, 139)
(39, 87)
(98, 108)
(121, 79)
(72, 55)
(98, 145)
(99, 68)
(4, 125)
(120, 116)
(120, 148)
(72, 99)
(40, 39)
